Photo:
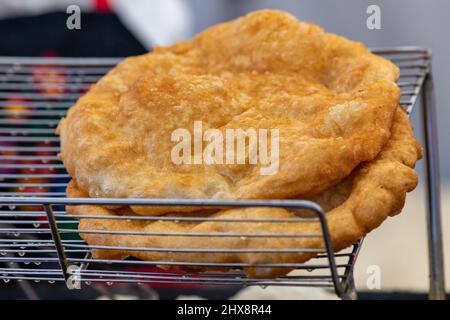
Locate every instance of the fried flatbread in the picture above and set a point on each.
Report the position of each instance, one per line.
(331, 99)
(354, 207)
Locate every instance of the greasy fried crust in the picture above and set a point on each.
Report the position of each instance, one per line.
(374, 191)
(332, 100)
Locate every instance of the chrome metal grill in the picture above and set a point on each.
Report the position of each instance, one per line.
(39, 242)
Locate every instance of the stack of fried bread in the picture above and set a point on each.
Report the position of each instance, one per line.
(344, 141)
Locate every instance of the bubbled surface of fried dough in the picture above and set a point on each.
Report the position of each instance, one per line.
(331, 99)
(354, 207)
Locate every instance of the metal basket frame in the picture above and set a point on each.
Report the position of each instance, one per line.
(16, 77)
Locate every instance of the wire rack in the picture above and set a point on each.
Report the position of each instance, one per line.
(39, 242)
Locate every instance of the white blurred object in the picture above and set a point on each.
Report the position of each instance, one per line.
(152, 22)
(276, 293)
(119, 297)
(156, 22)
(15, 8)
(400, 249)
(284, 293)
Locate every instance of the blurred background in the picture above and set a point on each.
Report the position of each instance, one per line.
(118, 28)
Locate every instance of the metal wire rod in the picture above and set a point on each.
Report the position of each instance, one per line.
(32, 119)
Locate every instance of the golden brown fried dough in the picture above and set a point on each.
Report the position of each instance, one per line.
(360, 203)
(331, 99)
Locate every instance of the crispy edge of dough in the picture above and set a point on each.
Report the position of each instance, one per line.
(378, 190)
